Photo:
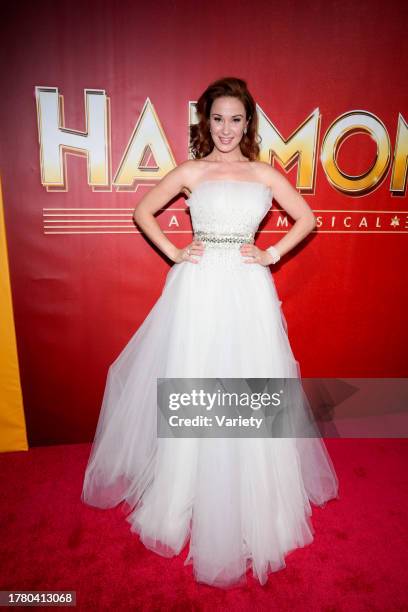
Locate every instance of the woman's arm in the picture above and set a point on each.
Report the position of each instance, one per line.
(295, 206)
(170, 185)
(293, 203)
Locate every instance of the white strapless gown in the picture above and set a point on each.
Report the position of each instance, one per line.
(240, 502)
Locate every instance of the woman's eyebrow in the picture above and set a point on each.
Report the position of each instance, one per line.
(220, 115)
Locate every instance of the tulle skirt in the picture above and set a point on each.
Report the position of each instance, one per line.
(238, 502)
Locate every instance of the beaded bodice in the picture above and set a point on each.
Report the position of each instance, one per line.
(229, 206)
(226, 214)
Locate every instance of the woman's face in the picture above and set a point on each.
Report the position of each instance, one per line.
(227, 122)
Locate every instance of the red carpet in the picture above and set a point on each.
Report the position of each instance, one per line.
(358, 560)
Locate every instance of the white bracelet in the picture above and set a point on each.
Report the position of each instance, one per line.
(275, 254)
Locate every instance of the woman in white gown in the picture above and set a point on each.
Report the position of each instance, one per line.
(239, 502)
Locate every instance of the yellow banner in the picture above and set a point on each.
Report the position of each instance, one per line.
(13, 434)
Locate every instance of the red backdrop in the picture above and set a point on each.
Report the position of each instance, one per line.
(78, 297)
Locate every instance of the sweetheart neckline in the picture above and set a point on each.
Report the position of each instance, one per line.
(229, 181)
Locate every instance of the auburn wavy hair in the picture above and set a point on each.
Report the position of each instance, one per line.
(201, 142)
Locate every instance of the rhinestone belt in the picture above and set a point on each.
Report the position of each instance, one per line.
(224, 240)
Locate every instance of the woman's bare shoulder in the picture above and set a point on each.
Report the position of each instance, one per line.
(192, 173)
(267, 174)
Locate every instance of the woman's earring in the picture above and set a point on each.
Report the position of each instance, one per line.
(245, 130)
